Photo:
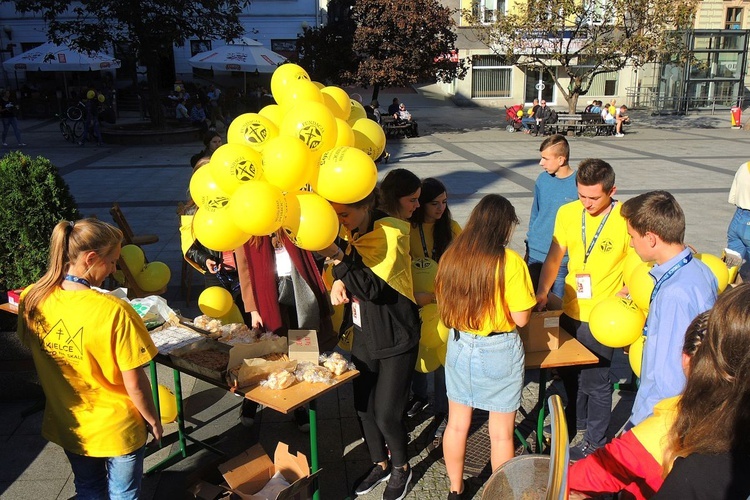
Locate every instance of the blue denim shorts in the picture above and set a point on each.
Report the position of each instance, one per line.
(485, 372)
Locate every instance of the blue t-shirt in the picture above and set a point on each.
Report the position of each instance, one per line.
(687, 293)
(550, 193)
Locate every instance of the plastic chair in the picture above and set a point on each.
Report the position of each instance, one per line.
(128, 236)
(536, 476)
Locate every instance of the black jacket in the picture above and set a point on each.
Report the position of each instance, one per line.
(390, 321)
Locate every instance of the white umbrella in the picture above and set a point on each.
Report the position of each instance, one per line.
(244, 55)
(51, 57)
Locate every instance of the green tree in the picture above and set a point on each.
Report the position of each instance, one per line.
(585, 38)
(149, 26)
(35, 198)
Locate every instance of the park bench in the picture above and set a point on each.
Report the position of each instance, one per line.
(392, 129)
(590, 124)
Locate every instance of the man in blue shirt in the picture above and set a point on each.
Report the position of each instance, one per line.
(684, 287)
(554, 187)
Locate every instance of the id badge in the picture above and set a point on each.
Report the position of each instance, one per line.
(583, 286)
(356, 312)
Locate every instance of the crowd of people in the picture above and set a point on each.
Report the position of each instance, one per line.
(684, 438)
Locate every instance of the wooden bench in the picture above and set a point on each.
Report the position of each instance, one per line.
(393, 129)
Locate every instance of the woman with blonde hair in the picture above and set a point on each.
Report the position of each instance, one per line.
(89, 349)
(483, 292)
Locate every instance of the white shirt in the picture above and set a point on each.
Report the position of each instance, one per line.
(739, 193)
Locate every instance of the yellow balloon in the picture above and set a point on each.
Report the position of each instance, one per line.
(427, 360)
(273, 112)
(443, 331)
(357, 112)
(134, 258)
(119, 277)
(216, 231)
(292, 215)
(298, 92)
(442, 351)
(252, 129)
(257, 208)
(215, 301)
(369, 137)
(205, 191)
(344, 134)
(319, 85)
(423, 272)
(616, 322)
(283, 76)
(519, 113)
(430, 319)
(640, 285)
(635, 355)
(337, 101)
(530, 111)
(154, 276)
(234, 164)
(629, 264)
(317, 225)
(167, 405)
(346, 339)
(233, 316)
(313, 124)
(286, 163)
(717, 266)
(345, 175)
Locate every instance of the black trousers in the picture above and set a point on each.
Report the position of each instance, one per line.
(381, 393)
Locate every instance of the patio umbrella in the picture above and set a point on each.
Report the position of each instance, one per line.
(244, 55)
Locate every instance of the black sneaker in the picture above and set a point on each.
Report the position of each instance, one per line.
(581, 450)
(247, 412)
(398, 483)
(373, 478)
(302, 418)
(454, 496)
(415, 406)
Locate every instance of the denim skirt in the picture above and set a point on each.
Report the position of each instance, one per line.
(485, 372)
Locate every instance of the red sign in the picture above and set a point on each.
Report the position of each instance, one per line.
(452, 56)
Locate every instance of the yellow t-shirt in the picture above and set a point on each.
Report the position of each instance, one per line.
(87, 341)
(428, 228)
(605, 262)
(519, 295)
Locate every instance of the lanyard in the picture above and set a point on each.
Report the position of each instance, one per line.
(424, 244)
(664, 278)
(76, 279)
(596, 235)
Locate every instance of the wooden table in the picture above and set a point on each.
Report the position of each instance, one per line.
(11, 308)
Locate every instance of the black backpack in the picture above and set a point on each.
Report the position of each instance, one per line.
(551, 116)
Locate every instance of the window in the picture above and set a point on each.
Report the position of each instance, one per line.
(734, 18)
(488, 11)
(604, 84)
(490, 77)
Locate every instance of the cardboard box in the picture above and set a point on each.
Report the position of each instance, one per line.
(542, 332)
(247, 367)
(14, 296)
(247, 473)
(303, 346)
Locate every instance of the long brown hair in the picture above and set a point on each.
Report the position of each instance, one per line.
(69, 240)
(714, 412)
(471, 272)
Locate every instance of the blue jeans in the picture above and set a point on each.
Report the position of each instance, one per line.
(11, 122)
(116, 478)
(738, 239)
(527, 123)
(558, 287)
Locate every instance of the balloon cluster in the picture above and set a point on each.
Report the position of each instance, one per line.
(150, 277)
(283, 165)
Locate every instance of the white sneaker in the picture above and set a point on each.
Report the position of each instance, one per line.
(619, 135)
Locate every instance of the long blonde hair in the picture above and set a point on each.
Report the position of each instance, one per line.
(471, 271)
(69, 240)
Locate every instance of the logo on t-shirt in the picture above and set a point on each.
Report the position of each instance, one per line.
(62, 344)
(606, 246)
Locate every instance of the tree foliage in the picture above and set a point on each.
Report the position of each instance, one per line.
(585, 38)
(150, 27)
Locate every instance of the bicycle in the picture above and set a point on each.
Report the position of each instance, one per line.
(71, 132)
(76, 112)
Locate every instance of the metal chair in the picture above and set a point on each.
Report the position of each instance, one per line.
(535, 476)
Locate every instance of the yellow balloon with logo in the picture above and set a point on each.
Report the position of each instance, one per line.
(369, 137)
(167, 405)
(317, 225)
(337, 101)
(717, 266)
(234, 164)
(283, 76)
(257, 208)
(640, 285)
(298, 92)
(344, 134)
(253, 130)
(286, 163)
(427, 360)
(233, 316)
(635, 355)
(273, 112)
(357, 112)
(616, 322)
(153, 277)
(313, 124)
(134, 258)
(345, 175)
(442, 351)
(423, 272)
(429, 336)
(216, 231)
(205, 191)
(215, 301)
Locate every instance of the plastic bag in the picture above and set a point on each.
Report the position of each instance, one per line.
(336, 363)
(308, 372)
(153, 309)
